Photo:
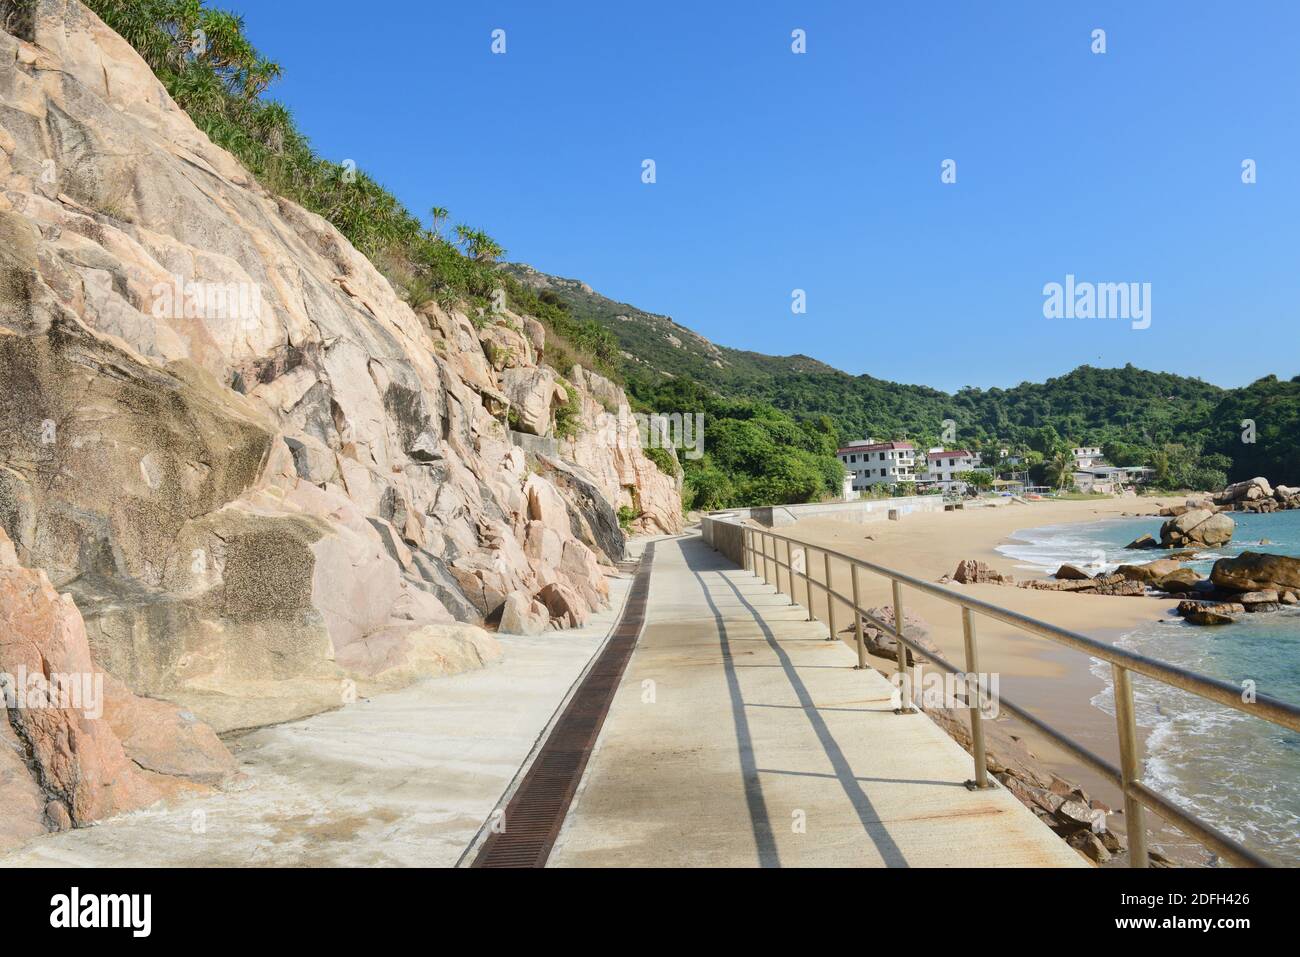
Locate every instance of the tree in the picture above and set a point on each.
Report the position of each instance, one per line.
(976, 479)
(1161, 466)
(477, 244)
(1046, 440)
(1061, 469)
(438, 216)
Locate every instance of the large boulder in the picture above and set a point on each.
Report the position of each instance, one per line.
(75, 757)
(533, 393)
(1177, 581)
(880, 644)
(1248, 491)
(505, 346)
(972, 572)
(1149, 572)
(523, 615)
(1072, 573)
(401, 654)
(1197, 527)
(1257, 571)
(1210, 613)
(564, 605)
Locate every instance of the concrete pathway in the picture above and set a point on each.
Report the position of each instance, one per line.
(401, 779)
(741, 737)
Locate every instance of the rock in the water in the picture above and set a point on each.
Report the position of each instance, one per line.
(1257, 571)
(1072, 573)
(1210, 613)
(1197, 527)
(1143, 541)
(1264, 606)
(1248, 491)
(1178, 580)
(1150, 572)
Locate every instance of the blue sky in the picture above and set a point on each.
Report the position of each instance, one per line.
(821, 171)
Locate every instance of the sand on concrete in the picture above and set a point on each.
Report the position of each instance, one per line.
(1052, 682)
(405, 778)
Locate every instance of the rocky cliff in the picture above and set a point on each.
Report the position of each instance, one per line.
(75, 745)
(259, 473)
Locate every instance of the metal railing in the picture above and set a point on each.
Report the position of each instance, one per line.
(760, 546)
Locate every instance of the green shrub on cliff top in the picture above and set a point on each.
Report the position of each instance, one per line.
(205, 61)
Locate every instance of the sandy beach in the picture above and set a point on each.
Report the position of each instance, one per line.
(1050, 681)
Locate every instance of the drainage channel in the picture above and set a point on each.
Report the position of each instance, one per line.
(534, 814)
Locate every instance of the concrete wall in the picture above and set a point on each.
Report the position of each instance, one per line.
(722, 530)
(725, 532)
(862, 511)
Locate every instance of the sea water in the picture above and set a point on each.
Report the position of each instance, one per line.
(1239, 773)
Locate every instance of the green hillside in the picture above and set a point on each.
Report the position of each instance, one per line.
(1188, 429)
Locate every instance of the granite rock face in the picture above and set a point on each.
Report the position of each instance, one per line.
(259, 473)
(75, 744)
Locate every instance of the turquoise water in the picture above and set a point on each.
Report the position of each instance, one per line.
(1239, 773)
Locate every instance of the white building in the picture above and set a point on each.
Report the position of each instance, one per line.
(1086, 457)
(946, 465)
(879, 463)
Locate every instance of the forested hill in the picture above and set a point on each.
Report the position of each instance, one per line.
(1190, 429)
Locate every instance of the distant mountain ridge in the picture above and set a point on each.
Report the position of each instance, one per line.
(1129, 407)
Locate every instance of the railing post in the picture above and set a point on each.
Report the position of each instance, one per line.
(857, 622)
(776, 563)
(807, 580)
(830, 601)
(975, 698)
(789, 572)
(744, 549)
(1126, 720)
(904, 676)
(762, 537)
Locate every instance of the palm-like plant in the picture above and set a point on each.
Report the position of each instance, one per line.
(438, 215)
(1060, 469)
(477, 244)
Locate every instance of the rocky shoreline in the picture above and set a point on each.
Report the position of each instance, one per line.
(1249, 583)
